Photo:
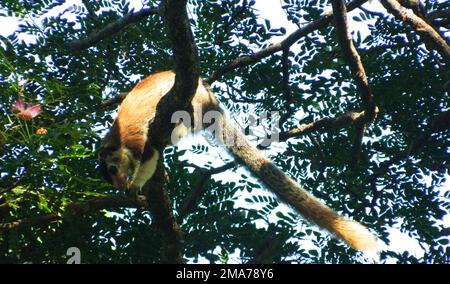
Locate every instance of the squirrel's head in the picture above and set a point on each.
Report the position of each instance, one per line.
(117, 165)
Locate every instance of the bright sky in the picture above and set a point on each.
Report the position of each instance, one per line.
(269, 9)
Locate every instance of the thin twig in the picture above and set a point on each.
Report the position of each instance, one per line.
(324, 125)
(110, 30)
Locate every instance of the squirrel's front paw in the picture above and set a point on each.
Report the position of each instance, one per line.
(135, 193)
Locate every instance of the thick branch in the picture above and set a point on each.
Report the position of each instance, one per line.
(187, 72)
(353, 59)
(286, 43)
(111, 29)
(76, 208)
(429, 35)
(160, 207)
(29, 222)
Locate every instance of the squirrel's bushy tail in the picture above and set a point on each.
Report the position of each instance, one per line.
(353, 233)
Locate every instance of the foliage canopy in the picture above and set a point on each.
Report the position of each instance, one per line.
(48, 164)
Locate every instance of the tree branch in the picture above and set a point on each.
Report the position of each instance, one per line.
(355, 155)
(286, 43)
(110, 29)
(429, 35)
(29, 222)
(76, 208)
(324, 125)
(353, 59)
(187, 72)
(160, 206)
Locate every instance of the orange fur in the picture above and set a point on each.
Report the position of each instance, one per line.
(139, 107)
